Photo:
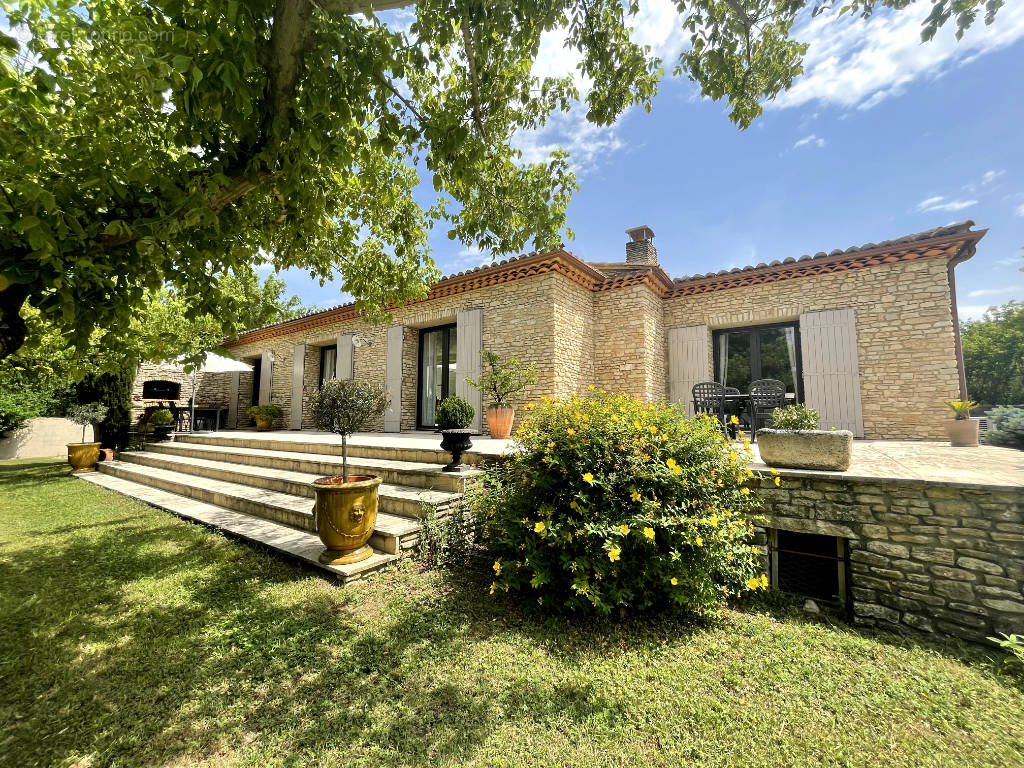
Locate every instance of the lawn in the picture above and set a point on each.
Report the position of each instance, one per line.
(128, 637)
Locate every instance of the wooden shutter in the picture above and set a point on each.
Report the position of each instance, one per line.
(689, 361)
(828, 346)
(469, 344)
(298, 372)
(393, 378)
(266, 378)
(344, 359)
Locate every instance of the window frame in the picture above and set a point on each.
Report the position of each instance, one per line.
(755, 351)
(320, 374)
(445, 362)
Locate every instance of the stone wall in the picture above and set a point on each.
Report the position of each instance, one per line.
(629, 342)
(905, 347)
(941, 558)
(213, 388)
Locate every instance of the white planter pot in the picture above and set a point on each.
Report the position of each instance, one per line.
(963, 433)
(806, 449)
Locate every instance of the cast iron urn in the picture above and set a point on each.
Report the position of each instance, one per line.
(456, 442)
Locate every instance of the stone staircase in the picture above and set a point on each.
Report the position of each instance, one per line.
(260, 488)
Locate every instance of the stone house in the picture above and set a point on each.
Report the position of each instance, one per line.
(868, 336)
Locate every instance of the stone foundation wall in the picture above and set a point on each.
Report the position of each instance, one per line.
(947, 559)
(213, 388)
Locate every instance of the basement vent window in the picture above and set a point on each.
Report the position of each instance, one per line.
(808, 564)
(160, 390)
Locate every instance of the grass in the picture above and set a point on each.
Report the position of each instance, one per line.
(128, 637)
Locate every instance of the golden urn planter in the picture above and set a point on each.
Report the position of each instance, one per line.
(499, 421)
(83, 456)
(263, 424)
(963, 433)
(345, 515)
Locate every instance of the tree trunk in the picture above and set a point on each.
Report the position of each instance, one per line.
(344, 458)
(12, 324)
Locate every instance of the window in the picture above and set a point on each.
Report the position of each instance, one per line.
(743, 355)
(436, 371)
(257, 366)
(328, 364)
(808, 564)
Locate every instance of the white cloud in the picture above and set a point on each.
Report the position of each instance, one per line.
(993, 291)
(468, 258)
(812, 140)
(1020, 210)
(854, 63)
(971, 311)
(990, 176)
(940, 203)
(657, 25)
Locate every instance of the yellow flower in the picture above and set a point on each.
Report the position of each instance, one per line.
(674, 581)
(497, 567)
(714, 520)
(764, 581)
(733, 420)
(570, 431)
(625, 529)
(539, 527)
(753, 583)
(649, 533)
(773, 470)
(677, 470)
(778, 481)
(613, 554)
(638, 425)
(493, 587)
(588, 478)
(671, 463)
(551, 445)
(635, 496)
(745, 491)
(653, 429)
(569, 538)
(700, 541)
(574, 504)
(530, 406)
(590, 386)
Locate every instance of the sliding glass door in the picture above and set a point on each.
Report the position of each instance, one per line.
(743, 355)
(436, 371)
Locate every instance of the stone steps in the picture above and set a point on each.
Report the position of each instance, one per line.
(415, 454)
(302, 545)
(415, 474)
(203, 482)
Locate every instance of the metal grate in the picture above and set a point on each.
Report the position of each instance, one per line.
(808, 564)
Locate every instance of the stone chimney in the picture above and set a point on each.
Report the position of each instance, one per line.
(640, 248)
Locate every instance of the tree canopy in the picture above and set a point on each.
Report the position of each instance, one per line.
(160, 142)
(993, 350)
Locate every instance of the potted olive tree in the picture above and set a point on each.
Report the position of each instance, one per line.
(264, 416)
(346, 505)
(162, 422)
(795, 441)
(500, 382)
(962, 430)
(83, 456)
(453, 417)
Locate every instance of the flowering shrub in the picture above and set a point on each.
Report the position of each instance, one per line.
(613, 502)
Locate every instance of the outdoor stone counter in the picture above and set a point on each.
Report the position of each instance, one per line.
(937, 557)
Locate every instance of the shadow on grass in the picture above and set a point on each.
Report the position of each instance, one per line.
(144, 636)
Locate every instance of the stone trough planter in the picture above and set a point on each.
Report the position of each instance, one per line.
(806, 449)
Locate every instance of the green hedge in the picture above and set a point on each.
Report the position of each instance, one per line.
(615, 503)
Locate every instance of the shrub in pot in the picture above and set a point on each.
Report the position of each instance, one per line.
(500, 382)
(162, 422)
(611, 504)
(346, 505)
(454, 415)
(264, 416)
(795, 441)
(83, 456)
(962, 430)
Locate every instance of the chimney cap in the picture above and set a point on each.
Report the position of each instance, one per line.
(641, 233)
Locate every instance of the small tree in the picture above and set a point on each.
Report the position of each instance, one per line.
(503, 380)
(343, 406)
(86, 414)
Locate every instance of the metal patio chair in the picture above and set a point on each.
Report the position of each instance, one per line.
(765, 396)
(709, 398)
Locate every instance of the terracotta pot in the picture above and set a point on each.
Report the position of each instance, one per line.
(83, 456)
(962, 433)
(345, 513)
(107, 454)
(456, 442)
(263, 423)
(499, 421)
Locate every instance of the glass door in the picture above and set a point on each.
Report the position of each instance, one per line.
(436, 371)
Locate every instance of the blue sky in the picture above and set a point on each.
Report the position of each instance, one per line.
(881, 137)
